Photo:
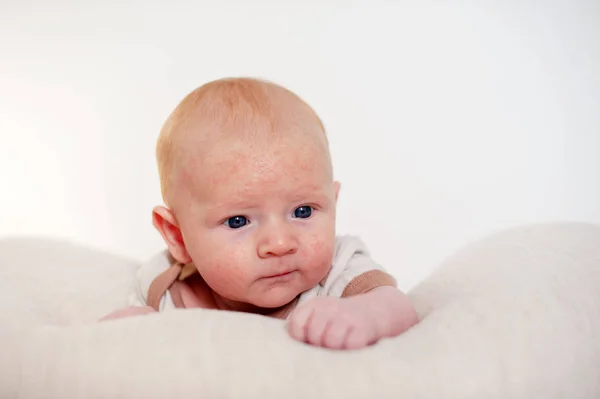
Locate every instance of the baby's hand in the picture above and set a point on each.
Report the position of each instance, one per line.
(333, 323)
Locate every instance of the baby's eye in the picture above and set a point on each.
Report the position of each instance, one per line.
(303, 212)
(236, 222)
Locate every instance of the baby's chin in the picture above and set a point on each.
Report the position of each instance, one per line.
(276, 298)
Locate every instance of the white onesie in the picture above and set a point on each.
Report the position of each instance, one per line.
(352, 272)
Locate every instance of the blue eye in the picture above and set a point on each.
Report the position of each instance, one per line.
(236, 222)
(303, 212)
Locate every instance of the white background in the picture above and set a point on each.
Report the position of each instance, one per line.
(447, 121)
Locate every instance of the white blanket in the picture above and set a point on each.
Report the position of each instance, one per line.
(516, 315)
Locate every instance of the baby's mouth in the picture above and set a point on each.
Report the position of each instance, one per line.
(282, 274)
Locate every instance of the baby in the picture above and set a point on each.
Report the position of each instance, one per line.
(249, 221)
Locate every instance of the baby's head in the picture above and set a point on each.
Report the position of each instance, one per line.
(247, 181)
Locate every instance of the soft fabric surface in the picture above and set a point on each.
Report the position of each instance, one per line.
(516, 315)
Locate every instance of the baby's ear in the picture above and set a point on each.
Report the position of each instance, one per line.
(164, 221)
(336, 187)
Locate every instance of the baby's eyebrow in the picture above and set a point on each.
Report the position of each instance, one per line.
(240, 200)
(242, 205)
(309, 194)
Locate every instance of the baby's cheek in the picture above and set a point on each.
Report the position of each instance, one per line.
(224, 273)
(320, 254)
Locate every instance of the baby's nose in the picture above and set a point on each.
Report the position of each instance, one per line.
(278, 244)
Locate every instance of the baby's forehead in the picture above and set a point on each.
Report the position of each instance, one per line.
(216, 126)
(238, 167)
(261, 157)
(227, 132)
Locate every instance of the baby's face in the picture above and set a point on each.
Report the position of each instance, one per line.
(259, 221)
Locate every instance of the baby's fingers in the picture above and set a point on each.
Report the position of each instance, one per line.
(357, 338)
(299, 322)
(317, 326)
(336, 335)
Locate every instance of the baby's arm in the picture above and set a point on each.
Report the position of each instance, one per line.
(358, 304)
(353, 322)
(392, 310)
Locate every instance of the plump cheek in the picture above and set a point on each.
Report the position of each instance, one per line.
(222, 267)
(227, 281)
(319, 254)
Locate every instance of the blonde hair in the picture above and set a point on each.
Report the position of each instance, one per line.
(227, 104)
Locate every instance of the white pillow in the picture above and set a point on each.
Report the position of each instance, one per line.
(516, 315)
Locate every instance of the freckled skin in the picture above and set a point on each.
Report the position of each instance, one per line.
(265, 185)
